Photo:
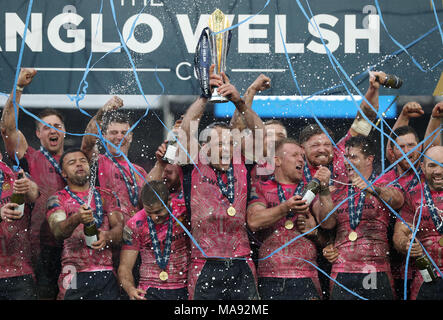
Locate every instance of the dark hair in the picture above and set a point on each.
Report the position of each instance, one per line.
(117, 116)
(312, 130)
(219, 124)
(274, 121)
(282, 142)
(68, 151)
(49, 112)
(152, 191)
(366, 145)
(404, 130)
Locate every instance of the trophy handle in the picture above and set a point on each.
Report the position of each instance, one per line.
(217, 98)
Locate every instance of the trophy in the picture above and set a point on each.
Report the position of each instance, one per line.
(219, 44)
(212, 48)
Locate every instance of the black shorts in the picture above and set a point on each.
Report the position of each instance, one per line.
(431, 291)
(229, 279)
(380, 289)
(166, 294)
(47, 271)
(18, 288)
(287, 289)
(97, 285)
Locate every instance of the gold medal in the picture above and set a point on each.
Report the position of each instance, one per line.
(6, 186)
(163, 276)
(132, 213)
(289, 224)
(440, 242)
(353, 236)
(231, 211)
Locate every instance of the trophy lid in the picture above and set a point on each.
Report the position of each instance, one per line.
(218, 21)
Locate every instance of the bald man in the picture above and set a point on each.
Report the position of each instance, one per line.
(430, 229)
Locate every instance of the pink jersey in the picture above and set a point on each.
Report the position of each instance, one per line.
(287, 262)
(370, 252)
(48, 181)
(404, 180)
(137, 237)
(397, 259)
(339, 172)
(15, 245)
(76, 255)
(110, 178)
(427, 233)
(217, 233)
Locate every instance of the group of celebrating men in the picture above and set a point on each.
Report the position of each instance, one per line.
(218, 226)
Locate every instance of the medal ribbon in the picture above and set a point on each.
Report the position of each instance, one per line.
(356, 213)
(98, 212)
(2, 180)
(162, 259)
(52, 161)
(436, 219)
(227, 190)
(308, 174)
(282, 198)
(133, 196)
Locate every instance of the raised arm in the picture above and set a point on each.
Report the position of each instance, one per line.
(88, 141)
(15, 141)
(260, 84)
(434, 123)
(360, 126)
(410, 110)
(251, 118)
(157, 171)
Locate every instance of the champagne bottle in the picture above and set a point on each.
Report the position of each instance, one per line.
(391, 81)
(91, 233)
(311, 190)
(426, 269)
(19, 198)
(171, 148)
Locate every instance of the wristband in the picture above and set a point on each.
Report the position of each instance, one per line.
(202, 95)
(18, 88)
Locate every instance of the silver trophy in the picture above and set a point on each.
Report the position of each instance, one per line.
(219, 45)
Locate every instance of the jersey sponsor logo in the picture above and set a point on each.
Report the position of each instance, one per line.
(212, 181)
(175, 237)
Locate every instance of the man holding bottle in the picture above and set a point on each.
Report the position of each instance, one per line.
(319, 148)
(16, 273)
(275, 207)
(42, 165)
(423, 211)
(360, 252)
(87, 271)
(216, 197)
